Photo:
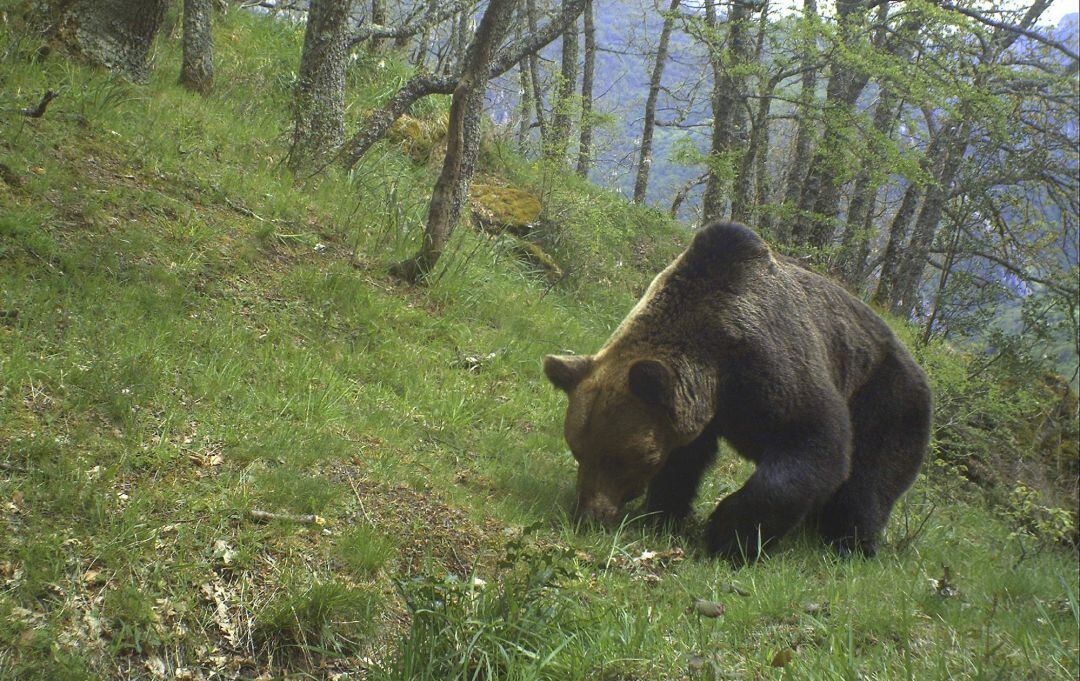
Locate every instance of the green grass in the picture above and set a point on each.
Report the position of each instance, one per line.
(176, 352)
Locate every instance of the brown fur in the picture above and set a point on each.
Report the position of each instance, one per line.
(793, 372)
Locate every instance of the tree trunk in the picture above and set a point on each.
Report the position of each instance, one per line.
(806, 128)
(898, 230)
(641, 180)
(462, 141)
(584, 160)
(905, 295)
(850, 263)
(319, 104)
(197, 71)
(117, 34)
(526, 108)
(943, 281)
(728, 104)
(742, 201)
(819, 201)
(534, 75)
(461, 42)
(378, 16)
(742, 198)
(562, 120)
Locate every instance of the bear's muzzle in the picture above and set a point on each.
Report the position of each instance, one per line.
(597, 508)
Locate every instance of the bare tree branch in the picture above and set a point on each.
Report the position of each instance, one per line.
(423, 85)
(1012, 28)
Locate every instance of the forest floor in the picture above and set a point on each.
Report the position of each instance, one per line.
(232, 447)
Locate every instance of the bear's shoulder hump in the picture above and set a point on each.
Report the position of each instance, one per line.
(724, 243)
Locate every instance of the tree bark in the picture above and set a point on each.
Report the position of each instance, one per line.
(641, 179)
(378, 17)
(898, 230)
(819, 200)
(526, 103)
(742, 198)
(805, 129)
(462, 142)
(851, 260)
(955, 138)
(904, 296)
(116, 34)
(584, 159)
(460, 42)
(534, 75)
(728, 104)
(319, 103)
(562, 120)
(197, 71)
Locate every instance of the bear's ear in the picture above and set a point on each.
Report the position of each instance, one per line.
(566, 371)
(653, 382)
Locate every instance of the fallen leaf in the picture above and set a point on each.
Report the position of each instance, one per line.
(156, 666)
(223, 553)
(93, 578)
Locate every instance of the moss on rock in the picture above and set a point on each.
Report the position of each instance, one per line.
(503, 209)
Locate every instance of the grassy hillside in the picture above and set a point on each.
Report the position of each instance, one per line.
(186, 336)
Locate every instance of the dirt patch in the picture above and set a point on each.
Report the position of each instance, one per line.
(424, 527)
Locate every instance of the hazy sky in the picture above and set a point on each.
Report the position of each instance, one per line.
(1059, 9)
(1051, 16)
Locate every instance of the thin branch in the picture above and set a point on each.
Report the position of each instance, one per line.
(1012, 28)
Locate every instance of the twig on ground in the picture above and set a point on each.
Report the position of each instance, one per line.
(267, 516)
(39, 110)
(363, 511)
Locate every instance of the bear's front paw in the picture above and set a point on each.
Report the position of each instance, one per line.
(667, 514)
(849, 547)
(739, 543)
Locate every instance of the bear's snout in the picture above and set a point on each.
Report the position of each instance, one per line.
(596, 508)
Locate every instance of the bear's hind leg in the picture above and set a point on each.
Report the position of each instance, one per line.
(890, 417)
(785, 487)
(852, 520)
(672, 491)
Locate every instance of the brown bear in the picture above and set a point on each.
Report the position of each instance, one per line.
(798, 376)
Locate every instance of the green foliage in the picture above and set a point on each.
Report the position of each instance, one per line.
(1042, 523)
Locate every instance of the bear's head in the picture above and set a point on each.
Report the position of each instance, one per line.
(623, 420)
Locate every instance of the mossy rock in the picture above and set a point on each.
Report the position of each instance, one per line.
(503, 209)
(420, 137)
